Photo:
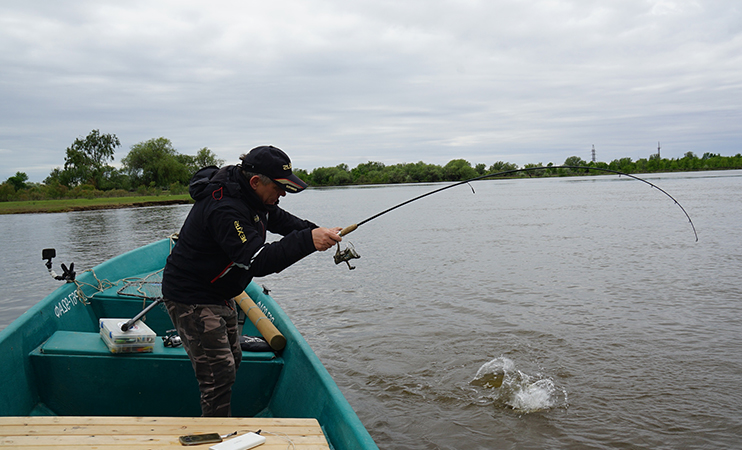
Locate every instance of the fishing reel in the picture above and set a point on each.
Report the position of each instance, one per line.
(346, 255)
(171, 339)
(68, 275)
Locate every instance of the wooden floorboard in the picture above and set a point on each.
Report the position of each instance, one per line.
(113, 433)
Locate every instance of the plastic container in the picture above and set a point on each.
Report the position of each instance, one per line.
(137, 339)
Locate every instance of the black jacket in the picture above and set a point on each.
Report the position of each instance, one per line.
(222, 243)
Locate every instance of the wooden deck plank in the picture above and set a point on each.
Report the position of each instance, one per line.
(77, 420)
(113, 432)
(116, 429)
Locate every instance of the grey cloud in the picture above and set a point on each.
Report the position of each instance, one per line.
(337, 82)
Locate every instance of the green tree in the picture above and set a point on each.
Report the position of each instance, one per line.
(320, 176)
(640, 165)
(7, 192)
(654, 162)
(203, 158)
(342, 175)
(54, 189)
(156, 163)
(625, 165)
(86, 160)
(574, 161)
(501, 166)
(331, 176)
(18, 181)
(458, 170)
(55, 176)
(206, 157)
(368, 173)
(395, 174)
(421, 172)
(536, 173)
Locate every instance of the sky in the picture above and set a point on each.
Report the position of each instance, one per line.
(346, 82)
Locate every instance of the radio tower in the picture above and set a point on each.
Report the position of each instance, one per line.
(658, 149)
(593, 152)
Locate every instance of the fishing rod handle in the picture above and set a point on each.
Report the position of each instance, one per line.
(349, 229)
(272, 336)
(130, 323)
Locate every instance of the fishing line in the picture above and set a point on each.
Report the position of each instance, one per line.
(350, 253)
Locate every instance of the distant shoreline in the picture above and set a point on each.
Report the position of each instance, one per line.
(70, 205)
(97, 203)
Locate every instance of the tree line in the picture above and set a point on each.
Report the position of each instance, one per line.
(154, 166)
(149, 168)
(460, 169)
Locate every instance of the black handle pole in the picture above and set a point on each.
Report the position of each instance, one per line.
(130, 322)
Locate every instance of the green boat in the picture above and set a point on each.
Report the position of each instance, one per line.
(55, 362)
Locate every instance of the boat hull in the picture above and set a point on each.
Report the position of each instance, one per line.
(55, 363)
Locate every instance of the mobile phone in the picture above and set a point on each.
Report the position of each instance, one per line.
(195, 439)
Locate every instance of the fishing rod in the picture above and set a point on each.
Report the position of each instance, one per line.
(350, 253)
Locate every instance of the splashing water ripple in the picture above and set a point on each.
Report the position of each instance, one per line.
(507, 387)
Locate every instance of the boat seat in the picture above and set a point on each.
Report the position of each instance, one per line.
(82, 343)
(78, 374)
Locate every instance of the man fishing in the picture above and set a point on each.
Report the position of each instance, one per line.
(221, 247)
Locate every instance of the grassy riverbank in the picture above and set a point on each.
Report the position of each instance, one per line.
(84, 204)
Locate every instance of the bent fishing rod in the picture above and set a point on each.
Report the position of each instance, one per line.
(350, 253)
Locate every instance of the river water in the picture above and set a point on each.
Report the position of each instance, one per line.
(551, 313)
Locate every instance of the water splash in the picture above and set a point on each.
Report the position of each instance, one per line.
(508, 387)
(492, 373)
(534, 397)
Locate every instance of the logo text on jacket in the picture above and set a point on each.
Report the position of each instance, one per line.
(240, 231)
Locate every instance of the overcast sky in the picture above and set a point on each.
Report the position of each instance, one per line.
(343, 81)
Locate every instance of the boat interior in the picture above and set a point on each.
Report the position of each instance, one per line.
(77, 373)
(56, 362)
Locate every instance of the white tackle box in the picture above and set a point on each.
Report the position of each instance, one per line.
(137, 339)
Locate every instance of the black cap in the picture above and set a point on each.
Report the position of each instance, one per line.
(275, 164)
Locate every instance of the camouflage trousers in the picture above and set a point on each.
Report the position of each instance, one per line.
(210, 337)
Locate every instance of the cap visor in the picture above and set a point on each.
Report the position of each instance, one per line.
(292, 184)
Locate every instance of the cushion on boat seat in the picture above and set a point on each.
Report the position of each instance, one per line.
(84, 343)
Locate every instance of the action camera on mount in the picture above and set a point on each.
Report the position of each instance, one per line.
(68, 275)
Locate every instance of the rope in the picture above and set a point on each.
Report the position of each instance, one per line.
(102, 286)
(106, 284)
